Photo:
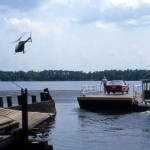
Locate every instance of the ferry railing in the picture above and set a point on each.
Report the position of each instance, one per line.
(137, 92)
(91, 89)
(98, 89)
(137, 89)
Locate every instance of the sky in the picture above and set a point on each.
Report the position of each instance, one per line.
(75, 35)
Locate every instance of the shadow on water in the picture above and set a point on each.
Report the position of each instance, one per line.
(107, 111)
(107, 117)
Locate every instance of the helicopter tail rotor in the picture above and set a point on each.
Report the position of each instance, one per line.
(30, 36)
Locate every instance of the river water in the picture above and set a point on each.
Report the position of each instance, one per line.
(77, 129)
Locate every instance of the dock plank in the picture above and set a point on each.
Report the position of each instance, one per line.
(5, 120)
(34, 118)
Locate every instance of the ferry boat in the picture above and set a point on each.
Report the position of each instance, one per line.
(93, 98)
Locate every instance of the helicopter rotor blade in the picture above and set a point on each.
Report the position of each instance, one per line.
(23, 34)
(18, 39)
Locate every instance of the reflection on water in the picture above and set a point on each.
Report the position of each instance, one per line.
(75, 128)
(43, 130)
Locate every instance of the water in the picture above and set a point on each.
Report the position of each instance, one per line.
(77, 129)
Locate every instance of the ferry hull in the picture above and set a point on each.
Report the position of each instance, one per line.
(102, 103)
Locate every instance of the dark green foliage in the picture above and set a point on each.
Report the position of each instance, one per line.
(64, 75)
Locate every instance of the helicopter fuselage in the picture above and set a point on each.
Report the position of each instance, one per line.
(21, 45)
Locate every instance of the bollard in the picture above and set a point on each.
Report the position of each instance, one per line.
(9, 101)
(1, 102)
(47, 94)
(33, 98)
(46, 90)
(19, 99)
(42, 96)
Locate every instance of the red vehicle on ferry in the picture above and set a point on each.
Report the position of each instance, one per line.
(117, 86)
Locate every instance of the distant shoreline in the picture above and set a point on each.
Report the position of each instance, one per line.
(64, 75)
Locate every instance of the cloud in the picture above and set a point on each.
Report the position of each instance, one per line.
(103, 25)
(70, 3)
(143, 21)
(126, 13)
(26, 24)
(22, 5)
(124, 3)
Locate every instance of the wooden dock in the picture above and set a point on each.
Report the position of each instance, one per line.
(11, 117)
(16, 122)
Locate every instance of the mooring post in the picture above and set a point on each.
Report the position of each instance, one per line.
(1, 102)
(24, 116)
(33, 98)
(47, 94)
(42, 96)
(9, 101)
(19, 99)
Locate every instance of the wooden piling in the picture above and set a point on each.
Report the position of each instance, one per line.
(19, 99)
(1, 102)
(24, 116)
(47, 94)
(33, 98)
(9, 101)
(42, 96)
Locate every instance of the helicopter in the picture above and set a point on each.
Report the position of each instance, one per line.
(20, 47)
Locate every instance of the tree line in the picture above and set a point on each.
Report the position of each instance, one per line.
(64, 75)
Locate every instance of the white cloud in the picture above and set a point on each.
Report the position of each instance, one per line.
(103, 25)
(122, 10)
(26, 24)
(143, 21)
(70, 3)
(125, 3)
(62, 2)
(131, 4)
(15, 22)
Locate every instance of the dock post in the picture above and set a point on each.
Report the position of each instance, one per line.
(42, 96)
(24, 116)
(33, 98)
(1, 102)
(47, 94)
(9, 101)
(19, 99)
